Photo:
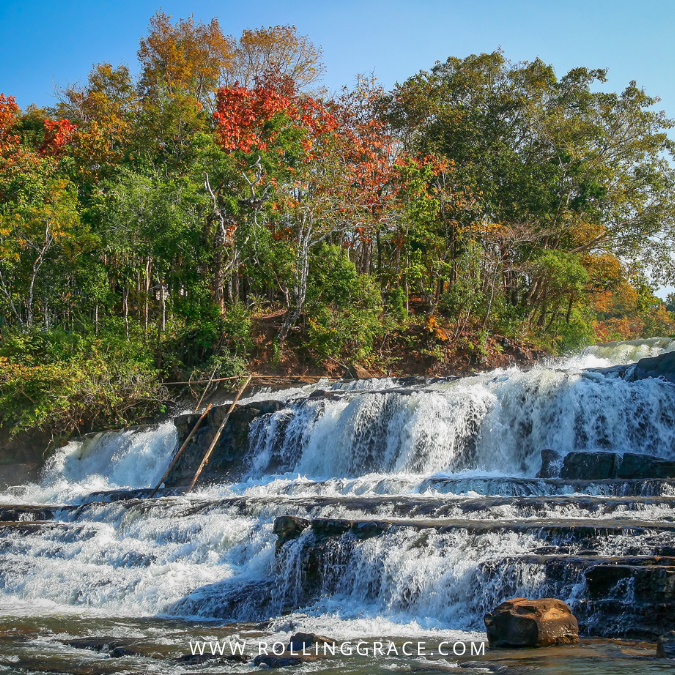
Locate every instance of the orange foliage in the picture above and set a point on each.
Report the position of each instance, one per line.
(188, 56)
(58, 134)
(8, 113)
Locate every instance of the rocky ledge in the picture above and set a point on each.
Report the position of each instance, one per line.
(604, 465)
(228, 459)
(628, 595)
(662, 366)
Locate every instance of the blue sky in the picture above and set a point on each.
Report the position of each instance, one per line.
(50, 43)
(45, 43)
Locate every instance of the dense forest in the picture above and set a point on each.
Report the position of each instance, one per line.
(221, 212)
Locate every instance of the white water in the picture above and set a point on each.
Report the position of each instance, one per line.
(208, 556)
(495, 422)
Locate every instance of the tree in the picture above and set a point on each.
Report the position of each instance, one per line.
(185, 57)
(583, 171)
(105, 110)
(277, 49)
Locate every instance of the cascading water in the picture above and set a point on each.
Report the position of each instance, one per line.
(446, 470)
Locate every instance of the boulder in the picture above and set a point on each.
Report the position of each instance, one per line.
(605, 465)
(272, 661)
(662, 366)
(590, 465)
(531, 623)
(551, 462)
(643, 466)
(307, 640)
(665, 646)
(289, 527)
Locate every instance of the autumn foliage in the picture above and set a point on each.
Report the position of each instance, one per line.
(219, 208)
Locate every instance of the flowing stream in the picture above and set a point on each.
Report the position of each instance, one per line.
(451, 464)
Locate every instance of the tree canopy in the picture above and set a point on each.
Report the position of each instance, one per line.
(217, 209)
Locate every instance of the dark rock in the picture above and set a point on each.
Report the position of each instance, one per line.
(98, 644)
(302, 640)
(665, 646)
(289, 527)
(648, 583)
(197, 659)
(662, 366)
(370, 528)
(228, 459)
(531, 623)
(590, 466)
(608, 465)
(550, 464)
(331, 527)
(635, 466)
(118, 652)
(18, 474)
(272, 661)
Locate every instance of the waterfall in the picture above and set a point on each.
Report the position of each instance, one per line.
(446, 470)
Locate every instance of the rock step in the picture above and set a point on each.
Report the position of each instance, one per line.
(415, 506)
(419, 510)
(522, 487)
(289, 527)
(457, 486)
(617, 595)
(28, 512)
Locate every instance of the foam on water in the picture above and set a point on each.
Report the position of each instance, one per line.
(498, 421)
(206, 557)
(103, 461)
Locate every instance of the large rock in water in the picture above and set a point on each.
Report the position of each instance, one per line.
(643, 466)
(300, 641)
(606, 465)
(656, 366)
(550, 464)
(228, 459)
(590, 465)
(531, 623)
(665, 646)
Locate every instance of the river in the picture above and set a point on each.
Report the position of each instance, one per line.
(448, 465)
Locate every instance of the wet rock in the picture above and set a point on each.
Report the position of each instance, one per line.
(118, 652)
(662, 366)
(99, 644)
(197, 659)
(650, 584)
(302, 640)
(550, 464)
(609, 465)
(289, 527)
(590, 466)
(227, 460)
(331, 527)
(27, 512)
(635, 466)
(272, 661)
(531, 623)
(665, 646)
